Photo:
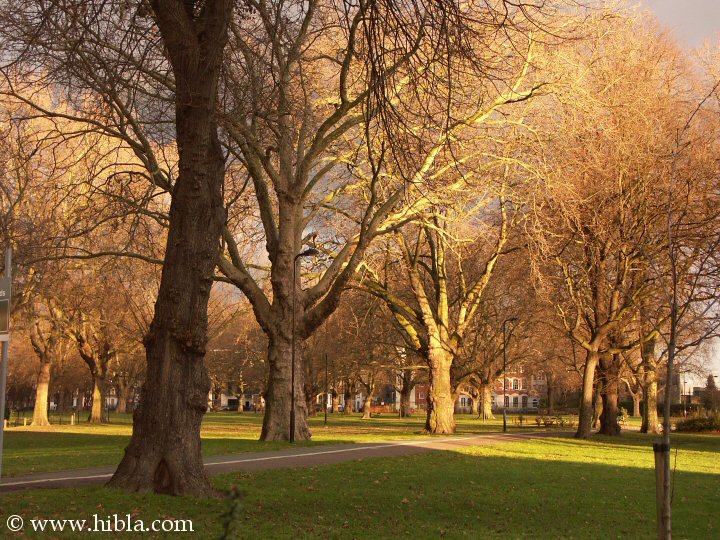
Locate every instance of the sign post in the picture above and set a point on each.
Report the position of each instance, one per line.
(5, 339)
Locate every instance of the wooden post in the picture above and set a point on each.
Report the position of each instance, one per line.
(659, 449)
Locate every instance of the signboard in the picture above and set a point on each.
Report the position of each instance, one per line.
(4, 309)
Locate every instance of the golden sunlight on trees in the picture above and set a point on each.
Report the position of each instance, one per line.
(208, 200)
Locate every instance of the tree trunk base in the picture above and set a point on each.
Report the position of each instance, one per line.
(611, 430)
(164, 475)
(165, 451)
(278, 400)
(583, 431)
(440, 420)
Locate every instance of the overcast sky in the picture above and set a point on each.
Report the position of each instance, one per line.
(692, 21)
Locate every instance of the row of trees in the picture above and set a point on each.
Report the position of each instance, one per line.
(456, 165)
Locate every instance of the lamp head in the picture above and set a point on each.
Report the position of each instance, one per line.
(308, 252)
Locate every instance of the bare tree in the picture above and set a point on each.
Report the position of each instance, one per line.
(592, 212)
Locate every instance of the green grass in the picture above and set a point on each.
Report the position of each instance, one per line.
(544, 489)
(58, 447)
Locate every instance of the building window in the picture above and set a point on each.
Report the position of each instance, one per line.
(421, 396)
(521, 368)
(524, 384)
(507, 401)
(524, 402)
(515, 402)
(535, 403)
(462, 401)
(516, 384)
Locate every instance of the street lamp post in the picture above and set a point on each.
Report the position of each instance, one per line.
(511, 319)
(306, 253)
(326, 385)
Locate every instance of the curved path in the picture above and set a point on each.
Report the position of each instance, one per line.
(290, 457)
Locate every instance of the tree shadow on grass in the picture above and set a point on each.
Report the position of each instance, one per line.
(506, 491)
(454, 495)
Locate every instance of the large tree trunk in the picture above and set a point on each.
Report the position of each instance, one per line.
(121, 407)
(61, 399)
(241, 397)
(40, 416)
(123, 394)
(405, 408)
(97, 413)
(550, 394)
(310, 401)
(366, 406)
(441, 404)
(408, 385)
(335, 402)
(164, 453)
(636, 404)
(276, 423)
(586, 400)
(609, 384)
(597, 405)
(650, 422)
(348, 395)
(485, 402)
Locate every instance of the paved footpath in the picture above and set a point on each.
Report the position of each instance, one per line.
(291, 457)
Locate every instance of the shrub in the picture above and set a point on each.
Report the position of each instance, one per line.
(699, 423)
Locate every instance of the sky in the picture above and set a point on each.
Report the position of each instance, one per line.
(692, 21)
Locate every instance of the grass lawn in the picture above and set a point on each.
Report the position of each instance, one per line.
(549, 488)
(57, 447)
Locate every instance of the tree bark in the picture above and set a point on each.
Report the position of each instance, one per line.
(97, 413)
(550, 394)
(335, 402)
(347, 410)
(597, 405)
(40, 416)
(441, 405)
(586, 400)
(241, 395)
(164, 453)
(609, 384)
(405, 391)
(485, 403)
(366, 406)
(276, 423)
(310, 401)
(650, 422)
(123, 391)
(636, 404)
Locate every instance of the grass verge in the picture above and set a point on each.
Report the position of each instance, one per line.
(59, 447)
(544, 489)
